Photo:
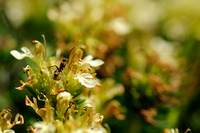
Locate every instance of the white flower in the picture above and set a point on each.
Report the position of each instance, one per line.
(8, 131)
(94, 63)
(20, 56)
(45, 127)
(86, 130)
(86, 80)
(164, 49)
(174, 130)
(119, 26)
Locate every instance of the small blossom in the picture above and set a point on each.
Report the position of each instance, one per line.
(63, 104)
(20, 56)
(8, 131)
(86, 80)
(119, 26)
(45, 127)
(98, 118)
(5, 121)
(93, 63)
(86, 130)
(88, 105)
(172, 131)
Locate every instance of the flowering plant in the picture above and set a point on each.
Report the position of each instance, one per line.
(64, 90)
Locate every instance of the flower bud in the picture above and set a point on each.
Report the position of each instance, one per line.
(38, 49)
(63, 103)
(64, 96)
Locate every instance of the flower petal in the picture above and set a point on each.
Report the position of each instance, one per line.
(27, 52)
(17, 54)
(89, 83)
(86, 80)
(45, 127)
(96, 63)
(8, 131)
(20, 56)
(86, 75)
(87, 58)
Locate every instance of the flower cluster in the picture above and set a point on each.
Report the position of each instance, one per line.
(63, 88)
(5, 121)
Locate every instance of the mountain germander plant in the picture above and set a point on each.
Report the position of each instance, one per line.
(64, 87)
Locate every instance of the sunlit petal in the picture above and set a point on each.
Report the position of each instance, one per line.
(20, 56)
(86, 80)
(96, 63)
(87, 58)
(9, 131)
(17, 54)
(27, 52)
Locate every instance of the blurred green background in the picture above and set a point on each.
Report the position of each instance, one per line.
(151, 50)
